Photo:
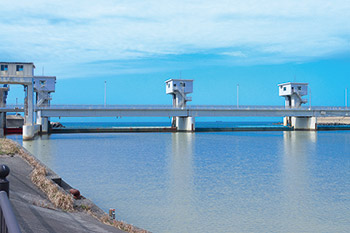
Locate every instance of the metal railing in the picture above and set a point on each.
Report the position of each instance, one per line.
(8, 221)
(191, 107)
(20, 107)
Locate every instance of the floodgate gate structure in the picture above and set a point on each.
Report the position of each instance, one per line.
(38, 110)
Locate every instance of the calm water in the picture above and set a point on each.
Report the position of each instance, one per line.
(210, 182)
(214, 124)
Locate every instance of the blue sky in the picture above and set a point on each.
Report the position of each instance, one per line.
(136, 45)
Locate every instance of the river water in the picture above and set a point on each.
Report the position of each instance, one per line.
(210, 182)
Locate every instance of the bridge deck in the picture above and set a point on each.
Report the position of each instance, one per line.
(169, 111)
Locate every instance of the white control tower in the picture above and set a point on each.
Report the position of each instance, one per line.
(179, 88)
(43, 87)
(293, 93)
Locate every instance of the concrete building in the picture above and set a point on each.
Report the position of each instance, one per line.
(179, 88)
(16, 69)
(293, 93)
(22, 73)
(43, 87)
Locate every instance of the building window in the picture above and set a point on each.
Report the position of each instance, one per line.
(299, 88)
(19, 67)
(174, 84)
(4, 68)
(284, 88)
(168, 85)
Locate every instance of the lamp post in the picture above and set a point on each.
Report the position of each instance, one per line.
(105, 99)
(346, 97)
(237, 95)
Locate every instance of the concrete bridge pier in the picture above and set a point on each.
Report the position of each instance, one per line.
(185, 124)
(304, 123)
(44, 125)
(28, 132)
(2, 123)
(287, 121)
(43, 122)
(29, 128)
(1, 126)
(3, 96)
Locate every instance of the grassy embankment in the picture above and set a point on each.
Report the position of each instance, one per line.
(38, 176)
(58, 197)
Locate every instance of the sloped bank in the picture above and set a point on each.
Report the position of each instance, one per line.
(57, 190)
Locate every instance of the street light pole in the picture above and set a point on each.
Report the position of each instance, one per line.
(237, 95)
(105, 102)
(346, 97)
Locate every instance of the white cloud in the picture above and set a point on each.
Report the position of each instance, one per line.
(66, 32)
(234, 54)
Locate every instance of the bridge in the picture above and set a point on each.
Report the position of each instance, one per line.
(183, 115)
(188, 111)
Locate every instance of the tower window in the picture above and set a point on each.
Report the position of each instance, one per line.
(19, 67)
(4, 68)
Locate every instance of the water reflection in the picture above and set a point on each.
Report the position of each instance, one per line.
(181, 185)
(41, 147)
(297, 198)
(210, 182)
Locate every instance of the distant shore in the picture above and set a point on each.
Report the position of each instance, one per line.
(333, 120)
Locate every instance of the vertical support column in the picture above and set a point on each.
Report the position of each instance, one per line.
(3, 96)
(42, 100)
(30, 102)
(43, 122)
(185, 124)
(304, 123)
(1, 127)
(29, 127)
(45, 125)
(286, 121)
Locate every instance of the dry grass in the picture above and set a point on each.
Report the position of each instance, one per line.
(59, 198)
(54, 194)
(7, 147)
(122, 225)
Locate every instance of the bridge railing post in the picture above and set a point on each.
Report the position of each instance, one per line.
(4, 183)
(8, 221)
